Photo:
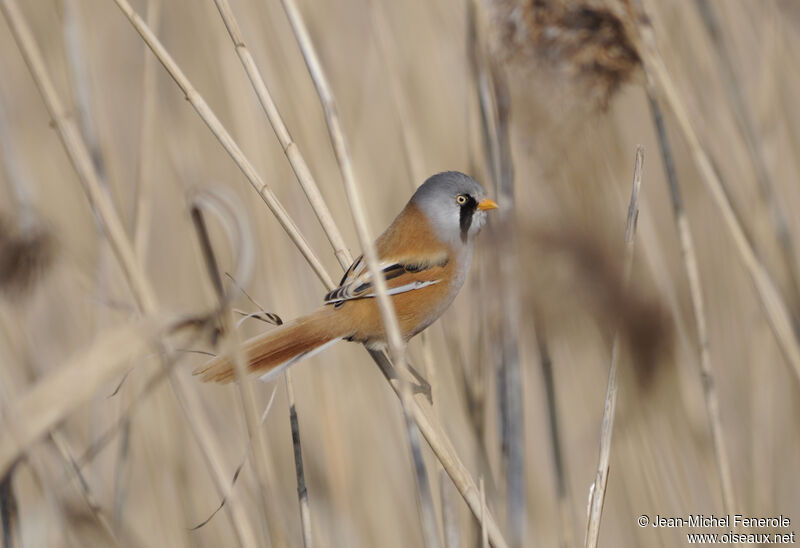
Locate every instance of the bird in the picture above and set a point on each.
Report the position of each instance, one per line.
(425, 255)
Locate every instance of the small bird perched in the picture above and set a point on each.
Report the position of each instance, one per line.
(425, 255)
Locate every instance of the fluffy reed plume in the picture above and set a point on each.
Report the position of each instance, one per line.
(585, 42)
(25, 253)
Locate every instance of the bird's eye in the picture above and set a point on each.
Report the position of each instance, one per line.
(461, 199)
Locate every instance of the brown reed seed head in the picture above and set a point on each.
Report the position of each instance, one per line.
(25, 253)
(586, 42)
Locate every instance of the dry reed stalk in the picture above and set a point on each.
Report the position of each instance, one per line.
(32, 414)
(59, 442)
(459, 474)
(142, 215)
(509, 371)
(449, 515)
(698, 305)
(245, 535)
(411, 151)
(203, 434)
(122, 474)
(64, 450)
(598, 492)
(294, 424)
(89, 124)
(484, 532)
(223, 136)
(564, 500)
(437, 439)
(101, 441)
(66, 454)
(744, 120)
(81, 102)
(41, 476)
(9, 521)
(79, 80)
(8, 385)
(78, 154)
(780, 320)
(290, 148)
(495, 103)
(385, 304)
(474, 381)
(446, 503)
(228, 212)
(318, 204)
(297, 449)
(52, 499)
(9, 508)
(140, 288)
(143, 207)
(413, 157)
(479, 65)
(414, 163)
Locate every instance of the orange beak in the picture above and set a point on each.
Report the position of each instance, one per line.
(486, 204)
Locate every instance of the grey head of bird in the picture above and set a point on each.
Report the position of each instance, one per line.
(455, 204)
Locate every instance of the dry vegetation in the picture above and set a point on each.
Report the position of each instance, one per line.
(107, 303)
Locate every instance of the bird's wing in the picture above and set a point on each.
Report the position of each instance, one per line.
(402, 274)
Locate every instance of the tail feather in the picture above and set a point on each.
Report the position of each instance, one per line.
(279, 347)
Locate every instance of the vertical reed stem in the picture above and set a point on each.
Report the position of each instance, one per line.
(598, 491)
(388, 316)
(698, 305)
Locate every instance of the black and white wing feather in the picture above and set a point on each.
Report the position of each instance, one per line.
(357, 282)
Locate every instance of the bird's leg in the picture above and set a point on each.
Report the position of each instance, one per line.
(422, 386)
(387, 368)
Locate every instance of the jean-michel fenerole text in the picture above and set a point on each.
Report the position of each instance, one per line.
(735, 521)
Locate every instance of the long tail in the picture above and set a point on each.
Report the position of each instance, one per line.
(272, 351)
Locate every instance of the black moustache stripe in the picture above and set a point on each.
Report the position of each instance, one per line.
(465, 216)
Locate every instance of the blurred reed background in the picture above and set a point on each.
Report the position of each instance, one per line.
(544, 102)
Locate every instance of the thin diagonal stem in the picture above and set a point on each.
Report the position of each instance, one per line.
(598, 492)
(144, 177)
(207, 115)
(318, 204)
(140, 231)
(778, 315)
(79, 78)
(562, 492)
(297, 449)
(233, 342)
(388, 315)
(79, 155)
(290, 148)
(696, 289)
(430, 429)
(744, 120)
(112, 226)
(99, 513)
(8, 509)
(495, 104)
